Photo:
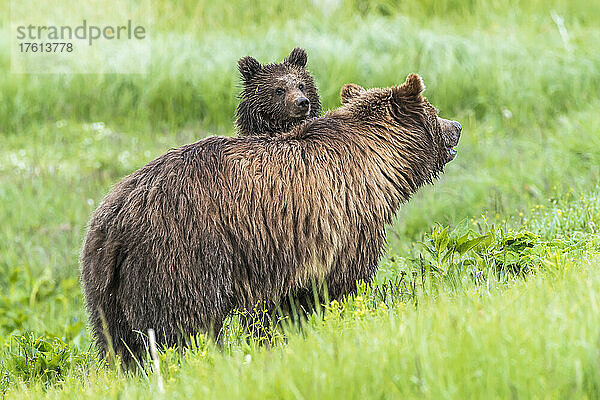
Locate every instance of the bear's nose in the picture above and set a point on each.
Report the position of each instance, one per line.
(457, 125)
(302, 102)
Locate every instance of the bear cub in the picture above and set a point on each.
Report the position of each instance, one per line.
(276, 97)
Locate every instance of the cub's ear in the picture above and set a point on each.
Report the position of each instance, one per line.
(248, 67)
(413, 86)
(350, 91)
(297, 57)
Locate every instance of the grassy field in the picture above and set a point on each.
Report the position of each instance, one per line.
(505, 300)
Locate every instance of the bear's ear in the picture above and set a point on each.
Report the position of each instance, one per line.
(413, 86)
(248, 67)
(350, 91)
(297, 57)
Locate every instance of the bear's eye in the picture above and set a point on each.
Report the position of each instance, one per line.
(301, 87)
(279, 91)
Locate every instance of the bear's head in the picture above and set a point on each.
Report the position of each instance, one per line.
(276, 97)
(409, 118)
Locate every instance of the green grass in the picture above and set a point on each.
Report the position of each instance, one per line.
(516, 315)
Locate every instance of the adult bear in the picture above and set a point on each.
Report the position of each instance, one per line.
(228, 222)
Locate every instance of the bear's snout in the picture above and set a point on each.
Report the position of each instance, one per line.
(455, 136)
(302, 102)
(301, 107)
(457, 125)
(451, 131)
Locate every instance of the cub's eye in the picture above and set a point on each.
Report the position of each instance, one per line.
(279, 91)
(301, 87)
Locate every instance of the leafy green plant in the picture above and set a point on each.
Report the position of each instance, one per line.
(35, 358)
(498, 253)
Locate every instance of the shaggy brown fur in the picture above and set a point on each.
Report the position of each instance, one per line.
(276, 97)
(227, 222)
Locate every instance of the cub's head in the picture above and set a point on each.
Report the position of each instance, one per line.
(276, 97)
(410, 120)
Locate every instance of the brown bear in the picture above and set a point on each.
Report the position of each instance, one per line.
(276, 97)
(228, 222)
